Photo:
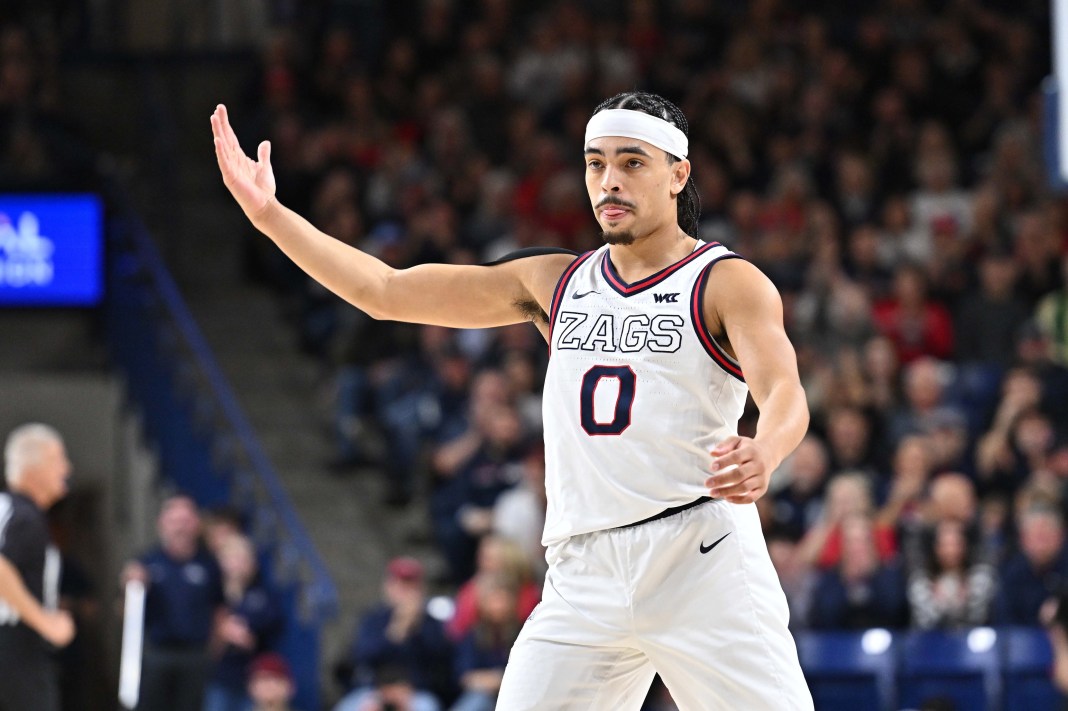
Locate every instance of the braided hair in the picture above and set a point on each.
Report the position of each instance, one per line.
(689, 203)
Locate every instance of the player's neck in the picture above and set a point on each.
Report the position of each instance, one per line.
(649, 254)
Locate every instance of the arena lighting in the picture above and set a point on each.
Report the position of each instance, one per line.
(1060, 73)
(441, 608)
(875, 641)
(981, 639)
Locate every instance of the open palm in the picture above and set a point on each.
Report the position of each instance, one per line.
(251, 182)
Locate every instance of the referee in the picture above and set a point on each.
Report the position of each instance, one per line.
(36, 468)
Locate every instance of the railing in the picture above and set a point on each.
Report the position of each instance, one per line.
(205, 443)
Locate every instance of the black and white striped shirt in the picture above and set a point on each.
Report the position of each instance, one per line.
(26, 543)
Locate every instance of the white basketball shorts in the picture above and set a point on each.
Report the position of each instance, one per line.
(692, 596)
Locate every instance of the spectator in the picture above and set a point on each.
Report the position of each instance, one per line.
(483, 652)
(865, 266)
(948, 443)
(183, 595)
(220, 524)
(903, 504)
(1036, 572)
(851, 442)
(951, 498)
(1000, 464)
(417, 403)
(848, 494)
(1037, 246)
(798, 505)
(270, 683)
(926, 405)
(856, 199)
(366, 360)
(860, 591)
(519, 512)
(1054, 616)
(472, 471)
(37, 151)
(901, 241)
(939, 201)
(496, 556)
(393, 691)
(1052, 321)
(1033, 440)
(248, 626)
(399, 634)
(916, 325)
(834, 316)
(525, 374)
(990, 316)
(882, 368)
(797, 576)
(956, 588)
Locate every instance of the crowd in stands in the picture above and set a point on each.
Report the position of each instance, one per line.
(41, 147)
(212, 618)
(880, 162)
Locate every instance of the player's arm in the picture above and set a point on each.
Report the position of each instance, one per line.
(744, 311)
(55, 626)
(440, 294)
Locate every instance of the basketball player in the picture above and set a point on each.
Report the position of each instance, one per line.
(656, 558)
(31, 626)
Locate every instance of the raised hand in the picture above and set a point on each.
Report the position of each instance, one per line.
(251, 182)
(234, 629)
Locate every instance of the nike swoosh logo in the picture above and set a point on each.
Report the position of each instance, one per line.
(706, 549)
(579, 296)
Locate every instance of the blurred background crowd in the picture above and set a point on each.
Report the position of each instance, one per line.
(881, 162)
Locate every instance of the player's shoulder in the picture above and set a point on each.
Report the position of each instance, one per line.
(558, 254)
(539, 267)
(542, 261)
(731, 267)
(735, 280)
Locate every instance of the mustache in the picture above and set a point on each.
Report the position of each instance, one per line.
(612, 200)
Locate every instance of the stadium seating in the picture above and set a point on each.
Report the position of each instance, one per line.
(849, 670)
(1025, 663)
(959, 666)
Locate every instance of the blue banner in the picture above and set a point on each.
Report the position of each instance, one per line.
(51, 250)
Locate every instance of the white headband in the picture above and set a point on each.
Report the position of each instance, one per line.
(640, 125)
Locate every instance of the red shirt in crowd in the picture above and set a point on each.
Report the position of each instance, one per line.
(929, 332)
(467, 607)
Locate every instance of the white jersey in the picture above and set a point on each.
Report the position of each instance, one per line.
(636, 394)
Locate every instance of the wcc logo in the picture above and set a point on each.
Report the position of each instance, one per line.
(666, 298)
(25, 255)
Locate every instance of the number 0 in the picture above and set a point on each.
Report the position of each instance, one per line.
(624, 400)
